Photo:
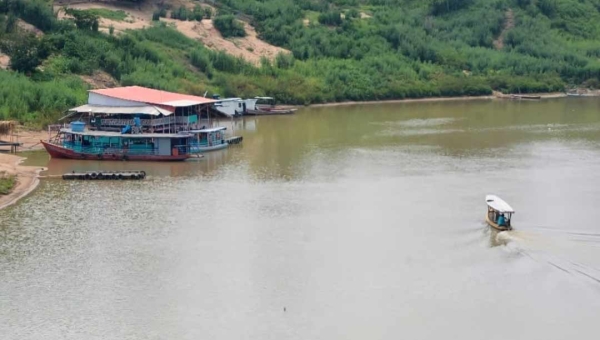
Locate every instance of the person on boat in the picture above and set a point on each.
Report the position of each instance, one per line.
(501, 220)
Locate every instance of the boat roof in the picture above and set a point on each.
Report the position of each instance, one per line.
(124, 110)
(220, 128)
(152, 96)
(118, 134)
(498, 204)
(263, 97)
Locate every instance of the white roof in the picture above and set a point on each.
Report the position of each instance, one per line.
(183, 103)
(498, 204)
(263, 97)
(227, 100)
(209, 130)
(127, 110)
(128, 135)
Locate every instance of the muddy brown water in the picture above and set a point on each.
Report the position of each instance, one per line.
(357, 222)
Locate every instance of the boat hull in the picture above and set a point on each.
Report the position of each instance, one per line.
(201, 149)
(57, 151)
(495, 225)
(266, 112)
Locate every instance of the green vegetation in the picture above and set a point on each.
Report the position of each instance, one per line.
(7, 182)
(405, 49)
(228, 26)
(182, 13)
(107, 13)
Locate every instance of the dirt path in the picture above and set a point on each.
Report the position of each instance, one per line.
(137, 18)
(100, 80)
(250, 47)
(4, 61)
(509, 23)
(27, 178)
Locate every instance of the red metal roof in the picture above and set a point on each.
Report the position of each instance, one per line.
(152, 96)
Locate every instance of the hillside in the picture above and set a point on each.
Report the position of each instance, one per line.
(301, 52)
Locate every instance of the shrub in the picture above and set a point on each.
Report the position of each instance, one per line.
(228, 26)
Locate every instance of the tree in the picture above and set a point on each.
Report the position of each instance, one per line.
(84, 20)
(11, 23)
(25, 54)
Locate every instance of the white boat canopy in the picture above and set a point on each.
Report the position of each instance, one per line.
(498, 204)
(126, 110)
(265, 98)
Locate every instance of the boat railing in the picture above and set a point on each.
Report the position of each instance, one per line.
(116, 122)
(120, 151)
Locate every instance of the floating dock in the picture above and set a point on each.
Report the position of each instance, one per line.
(105, 175)
(235, 140)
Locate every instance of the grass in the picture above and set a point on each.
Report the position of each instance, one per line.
(7, 182)
(118, 15)
(312, 16)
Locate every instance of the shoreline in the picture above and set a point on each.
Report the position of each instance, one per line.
(495, 95)
(27, 178)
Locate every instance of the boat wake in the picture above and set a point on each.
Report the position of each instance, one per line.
(572, 252)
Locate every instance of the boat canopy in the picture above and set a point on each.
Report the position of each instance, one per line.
(498, 204)
(123, 110)
(208, 130)
(265, 98)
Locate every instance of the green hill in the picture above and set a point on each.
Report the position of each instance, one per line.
(341, 50)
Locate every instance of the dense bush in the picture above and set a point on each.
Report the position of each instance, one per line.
(228, 26)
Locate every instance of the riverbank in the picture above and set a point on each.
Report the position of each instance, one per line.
(31, 139)
(495, 95)
(26, 177)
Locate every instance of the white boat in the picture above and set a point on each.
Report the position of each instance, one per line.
(208, 140)
(230, 107)
(499, 213)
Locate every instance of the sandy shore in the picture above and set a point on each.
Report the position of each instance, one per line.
(27, 178)
(31, 139)
(496, 95)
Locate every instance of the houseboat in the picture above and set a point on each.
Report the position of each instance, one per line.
(208, 140)
(130, 123)
(77, 142)
(499, 213)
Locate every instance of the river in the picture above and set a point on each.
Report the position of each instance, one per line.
(350, 222)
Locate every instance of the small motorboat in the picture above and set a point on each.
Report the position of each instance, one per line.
(499, 213)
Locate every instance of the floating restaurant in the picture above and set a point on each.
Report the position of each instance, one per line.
(137, 123)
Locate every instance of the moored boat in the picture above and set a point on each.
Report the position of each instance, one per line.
(77, 143)
(130, 123)
(208, 140)
(499, 213)
(266, 106)
(524, 96)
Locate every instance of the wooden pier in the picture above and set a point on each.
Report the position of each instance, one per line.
(13, 145)
(105, 175)
(8, 127)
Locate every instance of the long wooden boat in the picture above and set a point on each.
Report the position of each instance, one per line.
(259, 106)
(270, 111)
(499, 213)
(107, 145)
(524, 96)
